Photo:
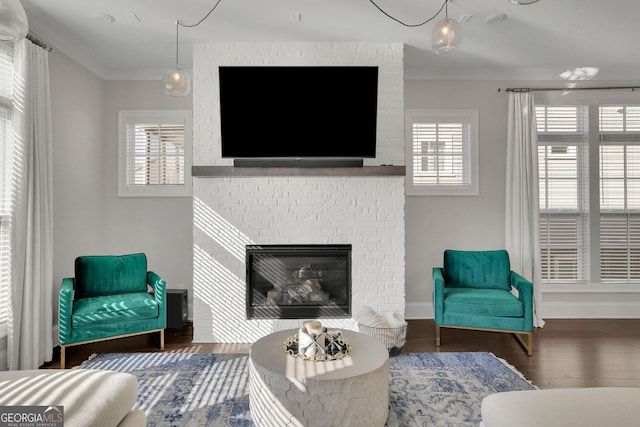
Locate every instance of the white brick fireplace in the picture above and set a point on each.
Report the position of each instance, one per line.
(230, 212)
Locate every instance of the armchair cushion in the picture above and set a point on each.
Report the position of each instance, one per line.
(482, 302)
(110, 275)
(477, 269)
(113, 309)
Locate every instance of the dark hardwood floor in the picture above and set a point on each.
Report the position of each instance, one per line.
(566, 353)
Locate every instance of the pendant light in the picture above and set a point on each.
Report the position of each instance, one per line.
(446, 35)
(177, 81)
(13, 21)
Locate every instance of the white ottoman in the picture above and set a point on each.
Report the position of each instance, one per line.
(289, 392)
(575, 407)
(89, 397)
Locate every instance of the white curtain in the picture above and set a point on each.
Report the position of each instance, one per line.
(522, 214)
(30, 343)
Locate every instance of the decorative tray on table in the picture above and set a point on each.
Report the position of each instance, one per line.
(316, 343)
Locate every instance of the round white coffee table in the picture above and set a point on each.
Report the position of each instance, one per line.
(287, 391)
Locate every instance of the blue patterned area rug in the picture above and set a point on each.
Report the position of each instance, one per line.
(426, 389)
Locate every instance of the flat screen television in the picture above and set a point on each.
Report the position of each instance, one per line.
(298, 112)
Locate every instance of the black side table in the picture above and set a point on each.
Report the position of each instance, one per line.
(177, 308)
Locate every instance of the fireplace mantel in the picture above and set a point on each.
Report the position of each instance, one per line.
(231, 171)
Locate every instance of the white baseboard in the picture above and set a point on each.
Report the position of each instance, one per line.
(418, 310)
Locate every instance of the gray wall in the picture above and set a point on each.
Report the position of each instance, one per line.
(468, 222)
(89, 217)
(77, 110)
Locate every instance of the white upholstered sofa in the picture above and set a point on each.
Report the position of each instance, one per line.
(575, 407)
(88, 397)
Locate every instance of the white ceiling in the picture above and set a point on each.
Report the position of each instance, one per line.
(538, 41)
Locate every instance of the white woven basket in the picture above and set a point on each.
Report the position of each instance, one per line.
(392, 338)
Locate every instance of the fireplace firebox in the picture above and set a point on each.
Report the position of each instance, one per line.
(298, 281)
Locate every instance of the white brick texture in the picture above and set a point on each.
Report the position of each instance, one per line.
(229, 213)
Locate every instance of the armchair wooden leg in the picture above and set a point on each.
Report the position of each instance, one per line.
(162, 339)
(437, 336)
(528, 347)
(62, 358)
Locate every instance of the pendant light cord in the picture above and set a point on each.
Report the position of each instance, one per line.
(179, 23)
(201, 20)
(444, 5)
(177, 26)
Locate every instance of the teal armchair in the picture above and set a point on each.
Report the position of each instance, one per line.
(110, 297)
(475, 290)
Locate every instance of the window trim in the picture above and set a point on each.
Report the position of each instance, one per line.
(594, 282)
(129, 116)
(469, 117)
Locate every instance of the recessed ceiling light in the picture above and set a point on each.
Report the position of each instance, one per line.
(523, 2)
(105, 18)
(495, 18)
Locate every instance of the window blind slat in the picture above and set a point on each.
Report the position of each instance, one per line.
(440, 154)
(562, 157)
(619, 193)
(559, 238)
(156, 154)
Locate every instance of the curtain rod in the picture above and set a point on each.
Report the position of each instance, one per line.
(35, 40)
(553, 89)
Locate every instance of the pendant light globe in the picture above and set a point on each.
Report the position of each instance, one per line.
(446, 36)
(177, 82)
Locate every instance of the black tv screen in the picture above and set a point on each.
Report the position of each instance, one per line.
(298, 111)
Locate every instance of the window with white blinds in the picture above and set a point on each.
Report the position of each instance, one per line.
(155, 153)
(442, 152)
(563, 188)
(619, 164)
(6, 108)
